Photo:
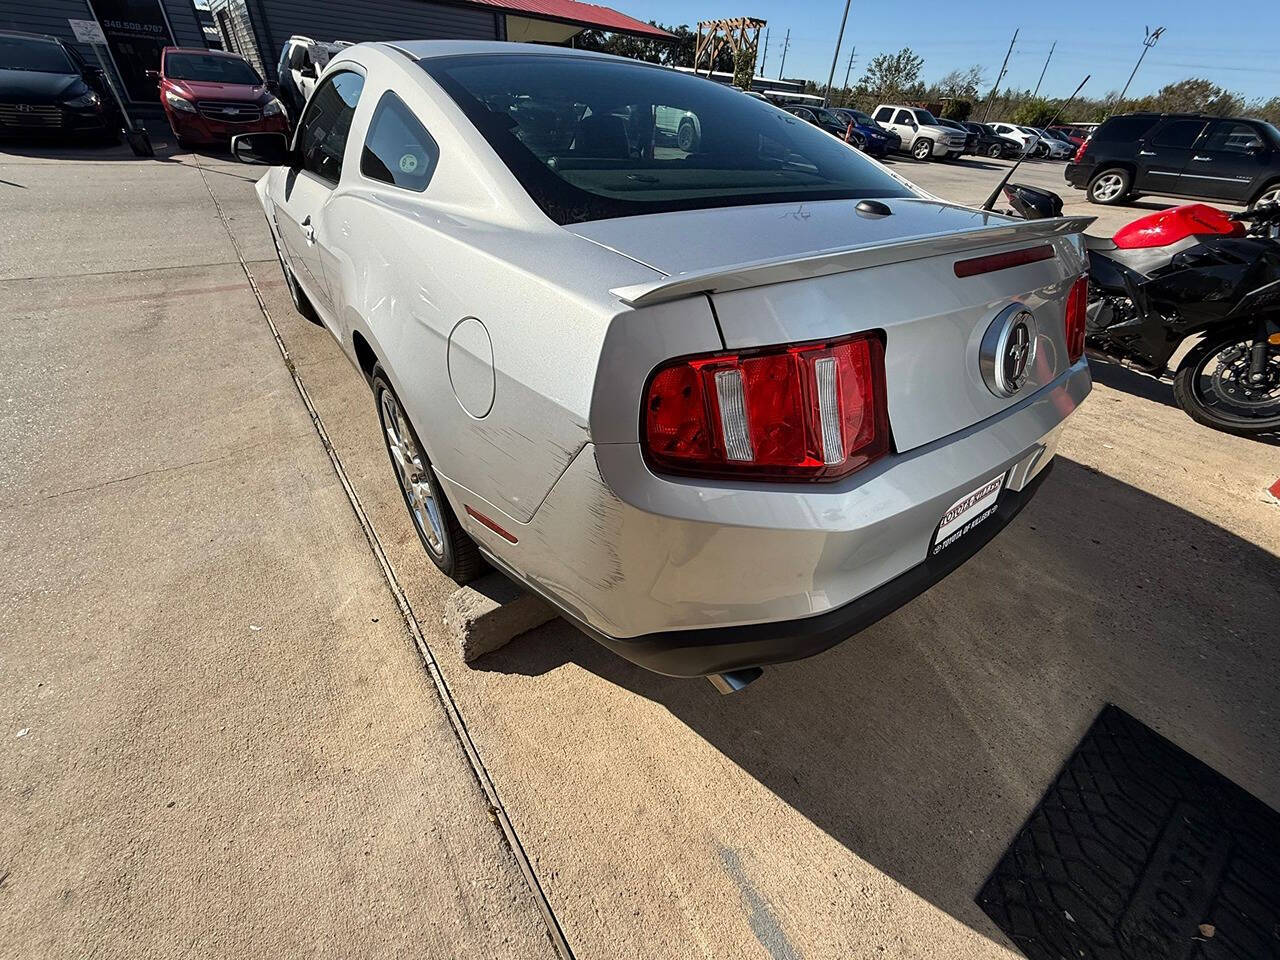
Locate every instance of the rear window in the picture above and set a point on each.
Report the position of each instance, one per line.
(1124, 129)
(206, 68)
(591, 139)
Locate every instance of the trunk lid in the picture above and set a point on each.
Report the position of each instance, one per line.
(800, 272)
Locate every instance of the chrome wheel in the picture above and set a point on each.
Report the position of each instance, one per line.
(922, 150)
(1107, 187)
(412, 470)
(1270, 195)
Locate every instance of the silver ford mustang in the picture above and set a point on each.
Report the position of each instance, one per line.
(723, 399)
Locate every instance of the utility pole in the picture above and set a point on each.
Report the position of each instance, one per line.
(764, 58)
(1147, 43)
(786, 42)
(1042, 70)
(1003, 69)
(849, 69)
(826, 96)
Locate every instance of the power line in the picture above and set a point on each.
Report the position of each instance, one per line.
(1003, 69)
(786, 43)
(1042, 70)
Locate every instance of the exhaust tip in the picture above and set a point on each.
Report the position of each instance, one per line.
(735, 680)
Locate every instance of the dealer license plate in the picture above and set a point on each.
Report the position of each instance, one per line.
(966, 513)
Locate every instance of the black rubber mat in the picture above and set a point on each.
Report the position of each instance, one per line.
(1139, 851)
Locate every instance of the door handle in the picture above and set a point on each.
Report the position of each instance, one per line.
(1202, 159)
(309, 232)
(1146, 153)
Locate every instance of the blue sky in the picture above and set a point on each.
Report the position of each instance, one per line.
(1232, 43)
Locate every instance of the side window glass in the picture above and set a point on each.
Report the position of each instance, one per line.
(1177, 133)
(322, 134)
(884, 114)
(398, 150)
(1228, 136)
(903, 117)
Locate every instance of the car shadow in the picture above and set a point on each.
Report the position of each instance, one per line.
(922, 744)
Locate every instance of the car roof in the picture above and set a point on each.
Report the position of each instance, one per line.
(204, 50)
(430, 49)
(30, 36)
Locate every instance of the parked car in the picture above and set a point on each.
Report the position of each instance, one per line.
(828, 120)
(47, 90)
(1026, 138)
(714, 432)
(991, 144)
(301, 62)
(1070, 134)
(970, 138)
(876, 140)
(1232, 159)
(919, 131)
(210, 96)
(1056, 147)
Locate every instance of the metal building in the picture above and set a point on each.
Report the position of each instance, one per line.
(137, 30)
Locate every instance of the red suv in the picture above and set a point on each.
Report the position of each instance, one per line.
(210, 96)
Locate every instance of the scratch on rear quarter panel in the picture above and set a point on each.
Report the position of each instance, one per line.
(760, 916)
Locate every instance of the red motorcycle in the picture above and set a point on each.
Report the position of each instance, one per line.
(1191, 271)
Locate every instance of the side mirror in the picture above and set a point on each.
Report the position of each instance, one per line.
(1254, 146)
(262, 149)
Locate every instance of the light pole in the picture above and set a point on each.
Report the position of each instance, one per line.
(826, 96)
(1147, 43)
(1036, 93)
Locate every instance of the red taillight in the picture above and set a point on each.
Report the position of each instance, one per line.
(1077, 306)
(813, 411)
(1084, 145)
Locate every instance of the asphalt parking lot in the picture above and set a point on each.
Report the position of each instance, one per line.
(222, 738)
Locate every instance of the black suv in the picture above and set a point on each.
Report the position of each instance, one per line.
(1179, 155)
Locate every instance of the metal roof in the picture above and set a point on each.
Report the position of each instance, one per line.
(583, 14)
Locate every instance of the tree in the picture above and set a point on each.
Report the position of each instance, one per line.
(892, 76)
(1193, 95)
(957, 110)
(744, 63)
(962, 84)
(1035, 112)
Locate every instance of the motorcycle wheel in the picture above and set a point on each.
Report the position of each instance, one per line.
(1211, 387)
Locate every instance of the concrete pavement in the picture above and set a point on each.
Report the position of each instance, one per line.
(846, 806)
(218, 738)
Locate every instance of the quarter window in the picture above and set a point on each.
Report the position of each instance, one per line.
(1228, 136)
(1178, 133)
(398, 150)
(322, 135)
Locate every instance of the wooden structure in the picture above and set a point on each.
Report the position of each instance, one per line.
(739, 33)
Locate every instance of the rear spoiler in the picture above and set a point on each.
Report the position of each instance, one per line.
(757, 273)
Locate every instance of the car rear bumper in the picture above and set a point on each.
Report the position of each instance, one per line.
(687, 577)
(1078, 174)
(197, 128)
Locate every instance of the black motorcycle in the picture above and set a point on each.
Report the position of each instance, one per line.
(1191, 271)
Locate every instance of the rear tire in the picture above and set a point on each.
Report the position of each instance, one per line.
(1110, 186)
(922, 149)
(1224, 402)
(995, 151)
(1269, 194)
(446, 543)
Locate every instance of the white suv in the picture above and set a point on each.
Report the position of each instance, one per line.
(922, 136)
(302, 60)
